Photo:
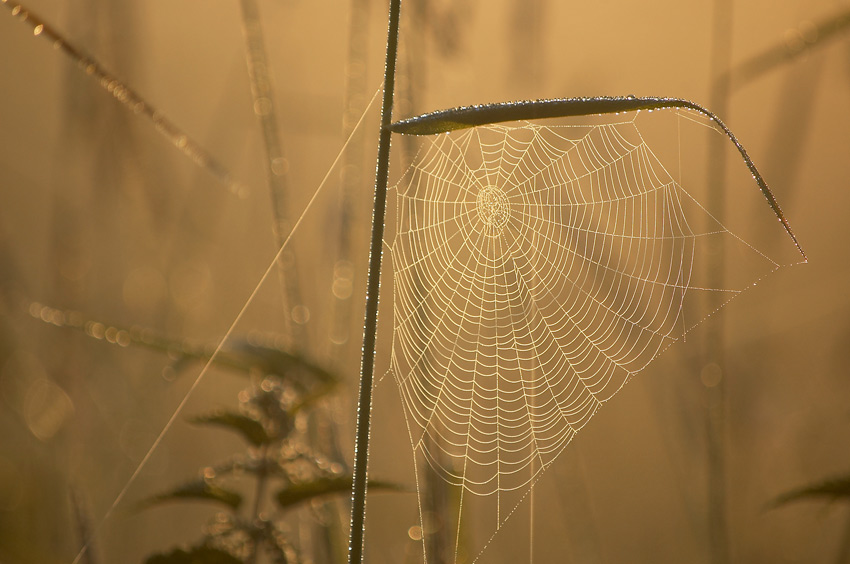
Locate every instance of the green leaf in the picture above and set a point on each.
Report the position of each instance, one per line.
(299, 493)
(271, 359)
(198, 490)
(195, 555)
(250, 429)
(832, 489)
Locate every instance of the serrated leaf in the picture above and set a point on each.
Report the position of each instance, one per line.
(249, 428)
(274, 360)
(198, 490)
(299, 493)
(195, 555)
(832, 489)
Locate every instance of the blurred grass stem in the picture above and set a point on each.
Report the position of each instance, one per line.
(259, 75)
(716, 410)
(262, 482)
(797, 43)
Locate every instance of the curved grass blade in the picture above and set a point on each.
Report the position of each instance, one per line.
(471, 116)
(247, 427)
(128, 97)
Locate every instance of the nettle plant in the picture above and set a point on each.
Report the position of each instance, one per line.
(536, 269)
(280, 464)
(281, 468)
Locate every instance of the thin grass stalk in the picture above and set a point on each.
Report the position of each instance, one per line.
(370, 329)
(276, 165)
(717, 404)
(126, 96)
(259, 495)
(798, 42)
(277, 171)
(351, 173)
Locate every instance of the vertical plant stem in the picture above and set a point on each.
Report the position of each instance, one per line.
(259, 75)
(351, 172)
(262, 481)
(716, 394)
(370, 329)
(351, 188)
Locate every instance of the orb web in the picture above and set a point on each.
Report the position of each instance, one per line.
(535, 270)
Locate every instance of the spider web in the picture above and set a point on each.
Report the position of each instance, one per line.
(537, 269)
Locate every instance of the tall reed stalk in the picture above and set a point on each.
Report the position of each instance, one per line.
(370, 328)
